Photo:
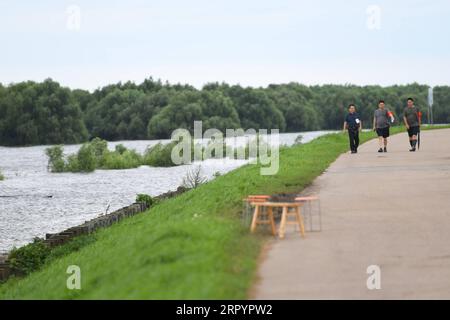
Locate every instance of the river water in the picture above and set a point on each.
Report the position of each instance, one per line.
(34, 201)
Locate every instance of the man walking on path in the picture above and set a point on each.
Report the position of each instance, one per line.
(354, 125)
(381, 119)
(412, 119)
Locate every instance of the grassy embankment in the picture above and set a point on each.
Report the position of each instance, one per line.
(190, 247)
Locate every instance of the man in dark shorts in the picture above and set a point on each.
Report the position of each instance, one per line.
(412, 120)
(353, 124)
(381, 124)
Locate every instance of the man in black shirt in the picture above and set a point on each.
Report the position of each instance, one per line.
(354, 125)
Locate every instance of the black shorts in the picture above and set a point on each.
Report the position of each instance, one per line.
(413, 131)
(383, 132)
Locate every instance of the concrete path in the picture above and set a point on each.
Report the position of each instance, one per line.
(390, 210)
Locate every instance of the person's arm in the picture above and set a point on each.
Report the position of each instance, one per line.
(345, 126)
(406, 122)
(390, 116)
(360, 125)
(374, 123)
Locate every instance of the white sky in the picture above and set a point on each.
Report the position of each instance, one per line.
(248, 42)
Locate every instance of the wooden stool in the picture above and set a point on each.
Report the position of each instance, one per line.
(298, 219)
(260, 202)
(256, 202)
(257, 217)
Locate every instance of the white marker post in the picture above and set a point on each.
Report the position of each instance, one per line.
(430, 105)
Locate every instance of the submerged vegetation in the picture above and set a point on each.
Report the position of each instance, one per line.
(96, 155)
(93, 155)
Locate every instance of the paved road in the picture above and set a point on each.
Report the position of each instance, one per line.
(390, 210)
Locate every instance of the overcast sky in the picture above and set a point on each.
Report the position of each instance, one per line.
(88, 44)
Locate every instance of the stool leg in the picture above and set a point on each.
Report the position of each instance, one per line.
(272, 221)
(255, 219)
(300, 221)
(283, 223)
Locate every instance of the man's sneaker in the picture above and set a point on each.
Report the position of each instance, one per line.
(380, 150)
(353, 151)
(412, 150)
(385, 149)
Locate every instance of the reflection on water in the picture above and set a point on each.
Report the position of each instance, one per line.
(34, 202)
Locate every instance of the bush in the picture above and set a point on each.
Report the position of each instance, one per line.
(100, 148)
(113, 160)
(132, 159)
(159, 155)
(120, 148)
(35, 255)
(125, 160)
(72, 164)
(86, 158)
(2, 177)
(145, 198)
(93, 155)
(55, 156)
(29, 258)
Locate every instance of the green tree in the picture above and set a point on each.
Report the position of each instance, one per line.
(39, 113)
(183, 109)
(255, 109)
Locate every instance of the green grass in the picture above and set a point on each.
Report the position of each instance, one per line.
(190, 247)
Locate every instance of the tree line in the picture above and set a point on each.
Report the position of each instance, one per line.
(34, 113)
